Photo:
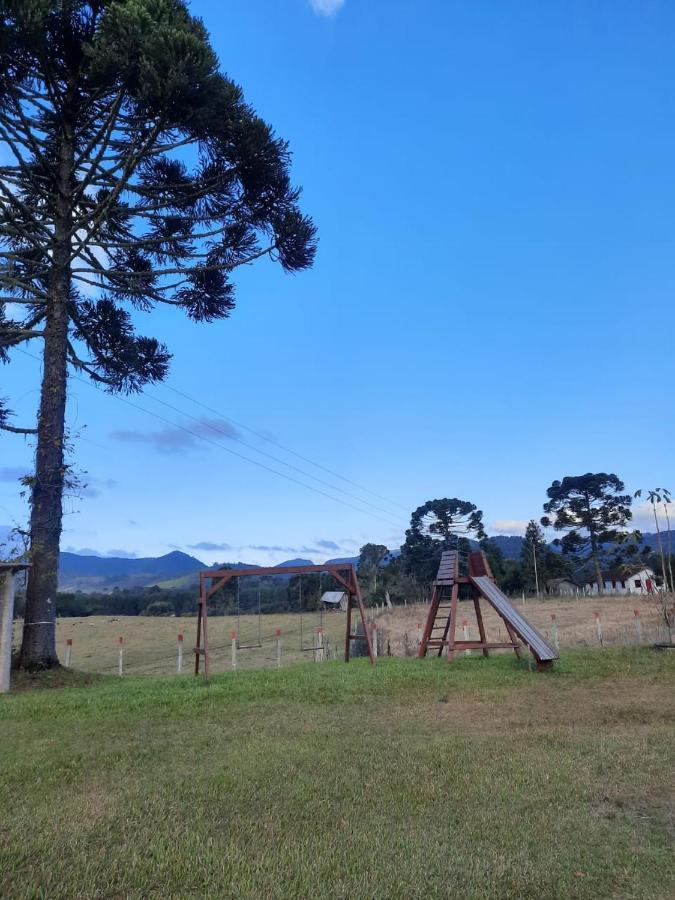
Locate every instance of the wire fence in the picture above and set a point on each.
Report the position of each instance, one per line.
(143, 645)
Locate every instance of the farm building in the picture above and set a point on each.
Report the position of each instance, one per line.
(562, 587)
(336, 600)
(627, 580)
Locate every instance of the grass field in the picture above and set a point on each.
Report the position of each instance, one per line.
(150, 642)
(416, 779)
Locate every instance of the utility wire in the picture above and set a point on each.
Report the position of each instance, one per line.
(281, 446)
(229, 450)
(275, 459)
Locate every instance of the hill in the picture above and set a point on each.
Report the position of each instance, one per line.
(179, 570)
(96, 573)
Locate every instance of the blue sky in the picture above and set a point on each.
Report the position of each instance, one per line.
(491, 305)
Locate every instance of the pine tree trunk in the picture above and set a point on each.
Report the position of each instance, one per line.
(596, 563)
(670, 549)
(38, 647)
(664, 574)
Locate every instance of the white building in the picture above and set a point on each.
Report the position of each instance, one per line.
(635, 580)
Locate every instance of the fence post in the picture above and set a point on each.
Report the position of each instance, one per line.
(234, 649)
(638, 626)
(179, 660)
(465, 632)
(554, 632)
(69, 648)
(598, 628)
(318, 645)
(278, 648)
(120, 664)
(6, 625)
(374, 640)
(419, 634)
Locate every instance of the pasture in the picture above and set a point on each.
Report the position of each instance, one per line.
(415, 779)
(150, 642)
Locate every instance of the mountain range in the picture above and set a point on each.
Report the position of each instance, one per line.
(177, 569)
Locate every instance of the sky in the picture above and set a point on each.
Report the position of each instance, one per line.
(491, 306)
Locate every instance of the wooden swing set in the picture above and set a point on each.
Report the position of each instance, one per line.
(212, 580)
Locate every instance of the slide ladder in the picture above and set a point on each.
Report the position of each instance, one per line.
(443, 608)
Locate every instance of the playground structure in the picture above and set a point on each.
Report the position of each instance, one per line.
(343, 573)
(441, 625)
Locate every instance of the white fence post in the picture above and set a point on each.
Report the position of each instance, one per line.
(638, 626)
(120, 665)
(465, 632)
(179, 659)
(69, 650)
(554, 632)
(374, 640)
(234, 649)
(278, 648)
(6, 624)
(598, 628)
(318, 645)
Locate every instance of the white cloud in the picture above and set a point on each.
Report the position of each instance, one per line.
(326, 7)
(643, 517)
(509, 526)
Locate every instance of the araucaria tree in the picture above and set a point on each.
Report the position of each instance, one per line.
(132, 173)
(533, 556)
(435, 526)
(592, 509)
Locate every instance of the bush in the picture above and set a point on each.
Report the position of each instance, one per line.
(159, 608)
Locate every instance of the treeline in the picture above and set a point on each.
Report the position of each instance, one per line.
(246, 596)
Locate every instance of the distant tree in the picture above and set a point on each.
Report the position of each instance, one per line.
(159, 608)
(370, 560)
(305, 591)
(533, 555)
(435, 526)
(593, 511)
(662, 496)
(133, 174)
(495, 559)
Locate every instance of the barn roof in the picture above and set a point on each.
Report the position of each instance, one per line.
(333, 597)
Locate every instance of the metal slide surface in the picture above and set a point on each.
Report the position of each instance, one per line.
(540, 647)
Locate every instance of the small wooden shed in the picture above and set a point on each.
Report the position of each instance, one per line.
(334, 600)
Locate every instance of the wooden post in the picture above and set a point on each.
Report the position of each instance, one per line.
(638, 626)
(554, 632)
(375, 639)
(349, 628)
(452, 622)
(278, 648)
(6, 624)
(120, 664)
(69, 649)
(481, 627)
(598, 628)
(419, 635)
(179, 660)
(234, 649)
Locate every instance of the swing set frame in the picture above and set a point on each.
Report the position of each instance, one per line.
(212, 580)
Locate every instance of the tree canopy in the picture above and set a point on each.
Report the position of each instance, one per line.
(435, 526)
(133, 174)
(592, 510)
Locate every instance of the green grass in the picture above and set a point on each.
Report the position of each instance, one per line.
(416, 779)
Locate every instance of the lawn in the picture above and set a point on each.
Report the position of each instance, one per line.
(416, 779)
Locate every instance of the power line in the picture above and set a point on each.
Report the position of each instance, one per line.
(229, 450)
(275, 459)
(281, 446)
